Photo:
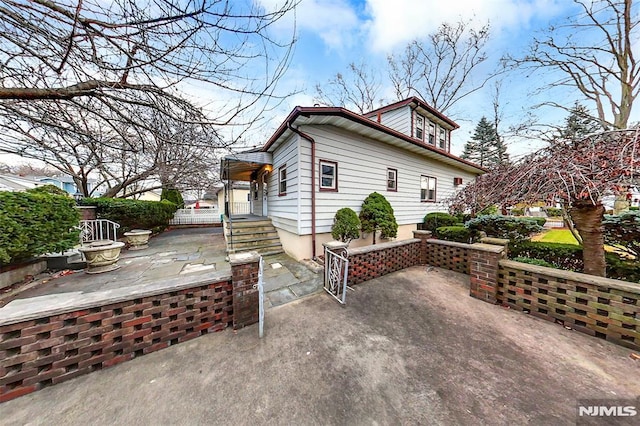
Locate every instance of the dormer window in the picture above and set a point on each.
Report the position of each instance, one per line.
(443, 139)
(432, 133)
(419, 133)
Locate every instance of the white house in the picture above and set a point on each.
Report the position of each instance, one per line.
(322, 159)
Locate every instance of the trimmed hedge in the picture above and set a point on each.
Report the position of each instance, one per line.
(538, 262)
(623, 230)
(562, 256)
(460, 234)
(172, 195)
(34, 223)
(432, 221)
(134, 214)
(553, 212)
(569, 257)
(509, 227)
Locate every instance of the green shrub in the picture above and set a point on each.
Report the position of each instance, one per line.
(553, 212)
(539, 220)
(377, 215)
(623, 230)
(463, 217)
(634, 209)
(36, 222)
(622, 269)
(172, 195)
(461, 234)
(48, 189)
(561, 256)
(133, 214)
(538, 262)
(432, 221)
(517, 212)
(346, 225)
(512, 228)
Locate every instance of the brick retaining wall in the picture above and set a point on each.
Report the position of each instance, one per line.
(42, 346)
(366, 263)
(448, 255)
(600, 307)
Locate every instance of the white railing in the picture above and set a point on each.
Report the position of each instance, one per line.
(195, 217)
(241, 207)
(98, 229)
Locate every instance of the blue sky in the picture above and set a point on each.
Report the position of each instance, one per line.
(333, 33)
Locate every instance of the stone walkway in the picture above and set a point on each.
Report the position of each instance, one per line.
(188, 252)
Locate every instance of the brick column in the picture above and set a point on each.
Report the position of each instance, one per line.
(244, 276)
(87, 212)
(483, 269)
(423, 236)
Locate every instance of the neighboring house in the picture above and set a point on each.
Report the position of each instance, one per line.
(67, 183)
(152, 195)
(238, 198)
(14, 183)
(322, 159)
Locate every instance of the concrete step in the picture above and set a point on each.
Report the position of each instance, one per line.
(260, 249)
(264, 244)
(249, 224)
(257, 242)
(258, 233)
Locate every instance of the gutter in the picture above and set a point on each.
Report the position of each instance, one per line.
(313, 183)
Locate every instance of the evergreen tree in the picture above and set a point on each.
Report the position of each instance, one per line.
(486, 148)
(578, 124)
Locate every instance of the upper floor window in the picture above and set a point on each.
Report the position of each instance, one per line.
(419, 133)
(328, 175)
(443, 139)
(432, 133)
(282, 180)
(427, 188)
(392, 180)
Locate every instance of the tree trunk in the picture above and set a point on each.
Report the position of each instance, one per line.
(587, 219)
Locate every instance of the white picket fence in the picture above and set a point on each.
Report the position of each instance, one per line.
(195, 217)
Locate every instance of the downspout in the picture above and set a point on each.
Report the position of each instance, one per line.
(313, 185)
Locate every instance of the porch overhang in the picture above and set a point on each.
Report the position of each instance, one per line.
(240, 166)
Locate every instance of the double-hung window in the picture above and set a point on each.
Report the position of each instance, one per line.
(443, 138)
(282, 180)
(419, 133)
(328, 175)
(392, 180)
(428, 188)
(432, 133)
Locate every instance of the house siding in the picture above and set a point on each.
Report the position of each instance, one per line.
(283, 209)
(397, 119)
(362, 168)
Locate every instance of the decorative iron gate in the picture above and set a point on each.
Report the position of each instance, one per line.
(335, 274)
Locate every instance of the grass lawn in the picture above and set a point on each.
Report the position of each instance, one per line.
(556, 236)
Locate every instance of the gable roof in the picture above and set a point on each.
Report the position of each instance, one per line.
(417, 103)
(362, 125)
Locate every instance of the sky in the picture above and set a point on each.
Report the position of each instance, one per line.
(334, 33)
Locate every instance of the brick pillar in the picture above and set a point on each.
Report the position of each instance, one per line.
(87, 212)
(244, 276)
(423, 236)
(483, 269)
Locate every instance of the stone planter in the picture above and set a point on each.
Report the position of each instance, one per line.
(138, 239)
(101, 256)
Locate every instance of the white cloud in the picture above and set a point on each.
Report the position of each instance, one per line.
(392, 23)
(334, 21)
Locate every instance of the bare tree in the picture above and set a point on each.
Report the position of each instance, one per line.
(579, 173)
(357, 89)
(441, 69)
(80, 71)
(595, 53)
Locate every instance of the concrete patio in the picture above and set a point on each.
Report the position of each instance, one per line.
(409, 348)
(190, 252)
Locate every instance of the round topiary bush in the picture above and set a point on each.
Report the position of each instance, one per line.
(460, 234)
(173, 195)
(377, 215)
(346, 225)
(432, 221)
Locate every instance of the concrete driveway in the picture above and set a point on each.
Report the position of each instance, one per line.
(409, 348)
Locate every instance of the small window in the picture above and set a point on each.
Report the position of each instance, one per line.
(328, 176)
(427, 188)
(432, 133)
(419, 127)
(282, 180)
(443, 138)
(392, 180)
